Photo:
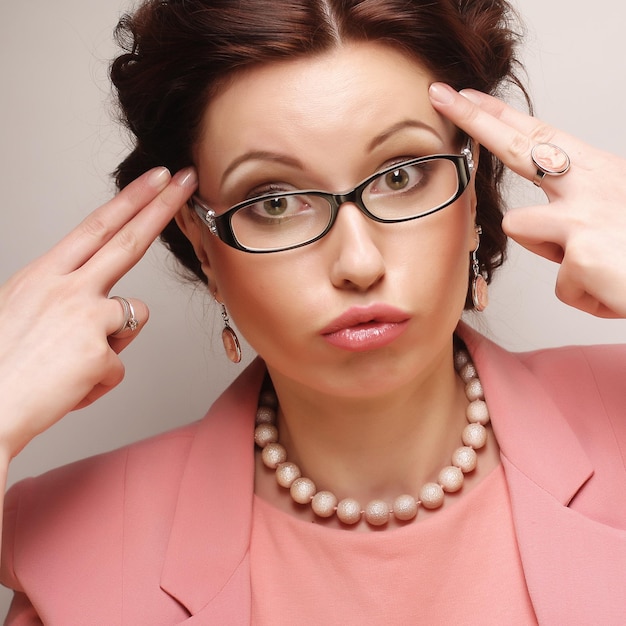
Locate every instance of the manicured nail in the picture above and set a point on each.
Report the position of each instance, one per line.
(472, 96)
(187, 177)
(159, 177)
(441, 93)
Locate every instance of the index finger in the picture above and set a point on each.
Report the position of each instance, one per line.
(78, 246)
(507, 133)
(131, 242)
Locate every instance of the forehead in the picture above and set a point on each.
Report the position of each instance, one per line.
(325, 107)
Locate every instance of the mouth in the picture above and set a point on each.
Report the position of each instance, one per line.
(366, 328)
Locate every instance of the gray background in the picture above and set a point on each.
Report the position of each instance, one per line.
(59, 143)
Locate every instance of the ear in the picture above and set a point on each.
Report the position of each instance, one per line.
(197, 234)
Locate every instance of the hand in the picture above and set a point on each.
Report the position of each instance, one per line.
(56, 320)
(583, 226)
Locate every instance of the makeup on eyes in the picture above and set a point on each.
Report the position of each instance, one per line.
(261, 172)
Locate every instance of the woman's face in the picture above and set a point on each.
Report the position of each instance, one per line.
(370, 306)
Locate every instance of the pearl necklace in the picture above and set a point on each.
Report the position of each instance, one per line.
(377, 512)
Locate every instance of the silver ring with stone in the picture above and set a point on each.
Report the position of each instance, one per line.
(130, 321)
(549, 160)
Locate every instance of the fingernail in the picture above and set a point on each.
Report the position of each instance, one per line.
(441, 93)
(472, 96)
(187, 177)
(159, 177)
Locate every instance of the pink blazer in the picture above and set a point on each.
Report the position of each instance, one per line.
(148, 535)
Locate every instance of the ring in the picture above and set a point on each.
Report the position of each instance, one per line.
(130, 321)
(549, 159)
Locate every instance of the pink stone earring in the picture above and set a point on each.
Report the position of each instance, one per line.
(230, 339)
(480, 290)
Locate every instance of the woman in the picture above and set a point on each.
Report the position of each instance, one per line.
(352, 299)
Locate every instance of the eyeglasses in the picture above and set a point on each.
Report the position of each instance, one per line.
(285, 220)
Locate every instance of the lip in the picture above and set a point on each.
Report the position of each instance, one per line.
(366, 328)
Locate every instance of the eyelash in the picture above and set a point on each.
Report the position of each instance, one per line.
(270, 188)
(265, 190)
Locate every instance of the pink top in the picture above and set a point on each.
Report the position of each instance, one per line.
(461, 566)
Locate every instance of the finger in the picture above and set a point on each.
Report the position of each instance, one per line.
(118, 343)
(499, 109)
(100, 226)
(510, 137)
(115, 375)
(539, 229)
(573, 293)
(131, 242)
(128, 316)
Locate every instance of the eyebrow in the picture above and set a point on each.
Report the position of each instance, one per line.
(396, 128)
(263, 155)
(260, 155)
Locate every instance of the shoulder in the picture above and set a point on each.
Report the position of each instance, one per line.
(85, 505)
(95, 476)
(597, 371)
(152, 466)
(570, 358)
(98, 527)
(588, 383)
(119, 506)
(594, 372)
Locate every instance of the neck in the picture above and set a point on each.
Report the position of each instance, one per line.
(373, 448)
(377, 446)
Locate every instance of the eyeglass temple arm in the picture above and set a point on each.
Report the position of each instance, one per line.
(468, 153)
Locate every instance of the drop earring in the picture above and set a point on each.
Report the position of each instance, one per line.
(230, 339)
(480, 290)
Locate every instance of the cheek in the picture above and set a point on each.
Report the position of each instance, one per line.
(258, 287)
(446, 242)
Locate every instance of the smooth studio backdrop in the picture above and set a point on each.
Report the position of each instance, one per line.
(59, 143)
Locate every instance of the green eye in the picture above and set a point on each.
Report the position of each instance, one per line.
(275, 206)
(397, 180)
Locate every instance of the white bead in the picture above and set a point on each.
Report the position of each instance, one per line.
(431, 496)
(468, 371)
(475, 436)
(477, 412)
(474, 390)
(465, 459)
(273, 455)
(450, 478)
(377, 513)
(286, 473)
(461, 358)
(404, 508)
(302, 490)
(324, 503)
(264, 434)
(265, 415)
(349, 511)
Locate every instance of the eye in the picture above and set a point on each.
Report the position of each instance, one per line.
(276, 210)
(401, 179)
(276, 206)
(397, 180)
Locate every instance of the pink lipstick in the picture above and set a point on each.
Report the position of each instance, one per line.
(366, 328)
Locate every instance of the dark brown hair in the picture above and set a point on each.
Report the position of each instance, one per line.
(179, 52)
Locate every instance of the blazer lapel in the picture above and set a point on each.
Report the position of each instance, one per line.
(531, 431)
(206, 567)
(575, 567)
(566, 556)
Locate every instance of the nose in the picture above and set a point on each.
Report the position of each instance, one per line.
(358, 263)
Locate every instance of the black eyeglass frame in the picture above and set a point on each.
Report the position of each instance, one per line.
(220, 225)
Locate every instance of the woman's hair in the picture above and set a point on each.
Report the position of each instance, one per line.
(178, 53)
